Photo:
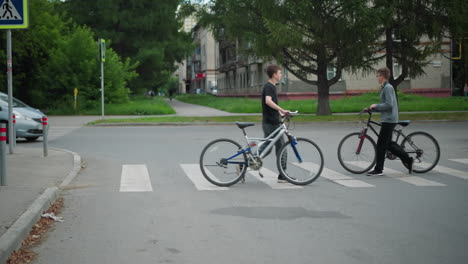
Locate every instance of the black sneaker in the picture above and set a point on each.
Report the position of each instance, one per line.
(409, 165)
(374, 173)
(282, 179)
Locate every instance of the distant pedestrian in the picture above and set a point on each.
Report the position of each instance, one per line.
(388, 108)
(171, 93)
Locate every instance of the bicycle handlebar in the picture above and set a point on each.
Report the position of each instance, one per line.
(289, 115)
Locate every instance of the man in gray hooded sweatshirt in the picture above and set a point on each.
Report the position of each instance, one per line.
(388, 108)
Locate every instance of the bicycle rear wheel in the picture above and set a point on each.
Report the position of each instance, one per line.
(424, 149)
(217, 165)
(357, 160)
(301, 163)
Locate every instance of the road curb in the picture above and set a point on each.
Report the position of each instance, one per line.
(76, 167)
(11, 240)
(231, 123)
(14, 236)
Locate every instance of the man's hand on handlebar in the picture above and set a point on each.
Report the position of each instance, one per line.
(288, 113)
(284, 112)
(370, 108)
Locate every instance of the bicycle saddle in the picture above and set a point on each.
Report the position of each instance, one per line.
(404, 123)
(243, 125)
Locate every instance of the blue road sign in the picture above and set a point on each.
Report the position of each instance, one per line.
(14, 14)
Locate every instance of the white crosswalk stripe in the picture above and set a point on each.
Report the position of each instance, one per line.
(457, 173)
(135, 178)
(465, 161)
(271, 179)
(334, 176)
(194, 173)
(415, 180)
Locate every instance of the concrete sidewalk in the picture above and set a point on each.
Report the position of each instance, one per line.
(32, 186)
(185, 109)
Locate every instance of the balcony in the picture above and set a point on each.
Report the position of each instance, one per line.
(254, 60)
(196, 57)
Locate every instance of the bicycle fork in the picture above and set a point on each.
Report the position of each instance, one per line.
(361, 141)
(293, 145)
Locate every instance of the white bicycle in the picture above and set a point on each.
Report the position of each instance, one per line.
(224, 162)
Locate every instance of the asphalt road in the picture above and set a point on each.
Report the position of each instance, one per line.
(393, 221)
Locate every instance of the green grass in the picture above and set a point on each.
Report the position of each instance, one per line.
(228, 104)
(258, 118)
(344, 105)
(137, 105)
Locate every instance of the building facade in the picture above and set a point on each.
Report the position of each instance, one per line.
(218, 67)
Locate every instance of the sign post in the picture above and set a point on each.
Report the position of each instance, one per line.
(14, 14)
(102, 58)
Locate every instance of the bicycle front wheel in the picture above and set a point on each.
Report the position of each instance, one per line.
(357, 154)
(300, 163)
(424, 149)
(218, 164)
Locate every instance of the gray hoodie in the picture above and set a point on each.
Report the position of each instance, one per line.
(388, 106)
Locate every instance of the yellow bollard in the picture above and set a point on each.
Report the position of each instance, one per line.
(75, 98)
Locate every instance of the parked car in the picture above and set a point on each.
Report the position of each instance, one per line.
(28, 119)
(214, 91)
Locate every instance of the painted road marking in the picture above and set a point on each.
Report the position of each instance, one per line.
(194, 173)
(135, 178)
(465, 161)
(415, 180)
(271, 179)
(334, 176)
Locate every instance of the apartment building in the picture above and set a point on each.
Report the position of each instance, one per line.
(219, 66)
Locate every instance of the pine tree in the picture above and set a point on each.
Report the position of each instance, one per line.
(307, 37)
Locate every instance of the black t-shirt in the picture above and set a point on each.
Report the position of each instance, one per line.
(270, 115)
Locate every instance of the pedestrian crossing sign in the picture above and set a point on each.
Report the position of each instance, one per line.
(14, 14)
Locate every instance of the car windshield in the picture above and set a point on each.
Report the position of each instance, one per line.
(16, 102)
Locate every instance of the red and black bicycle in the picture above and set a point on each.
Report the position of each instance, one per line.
(357, 151)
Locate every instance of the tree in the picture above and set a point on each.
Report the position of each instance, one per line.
(54, 56)
(32, 48)
(74, 64)
(413, 31)
(146, 31)
(307, 37)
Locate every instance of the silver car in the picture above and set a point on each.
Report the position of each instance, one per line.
(28, 120)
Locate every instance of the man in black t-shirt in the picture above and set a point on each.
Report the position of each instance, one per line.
(272, 111)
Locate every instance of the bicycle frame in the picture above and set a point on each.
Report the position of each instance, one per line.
(270, 140)
(369, 123)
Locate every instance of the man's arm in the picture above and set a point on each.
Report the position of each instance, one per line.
(270, 103)
(389, 100)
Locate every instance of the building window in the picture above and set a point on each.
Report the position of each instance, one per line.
(252, 79)
(243, 80)
(396, 70)
(331, 73)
